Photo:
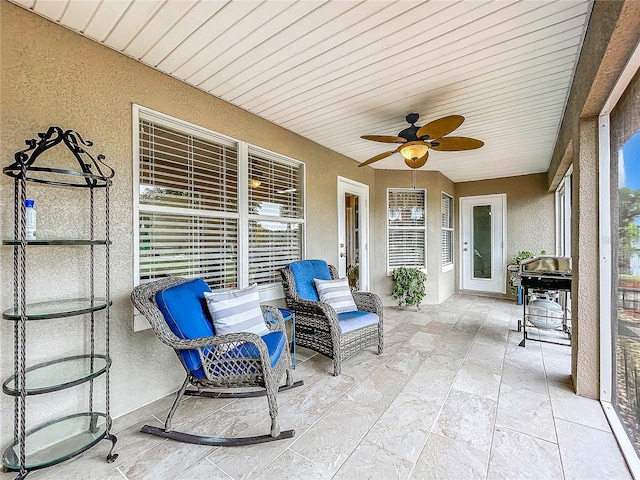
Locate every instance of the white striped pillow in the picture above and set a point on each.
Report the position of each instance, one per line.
(236, 311)
(336, 293)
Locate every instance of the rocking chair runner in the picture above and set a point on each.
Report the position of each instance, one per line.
(230, 360)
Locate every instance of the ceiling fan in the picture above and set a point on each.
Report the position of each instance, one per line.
(415, 141)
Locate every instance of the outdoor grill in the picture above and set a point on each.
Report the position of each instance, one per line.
(545, 277)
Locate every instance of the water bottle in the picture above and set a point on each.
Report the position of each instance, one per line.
(31, 219)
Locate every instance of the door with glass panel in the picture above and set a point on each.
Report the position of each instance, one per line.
(353, 232)
(482, 243)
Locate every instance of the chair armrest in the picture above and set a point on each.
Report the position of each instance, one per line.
(319, 310)
(368, 302)
(226, 339)
(274, 312)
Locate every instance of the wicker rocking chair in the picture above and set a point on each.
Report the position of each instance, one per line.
(318, 326)
(211, 361)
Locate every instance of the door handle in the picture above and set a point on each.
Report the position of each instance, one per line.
(343, 254)
(465, 249)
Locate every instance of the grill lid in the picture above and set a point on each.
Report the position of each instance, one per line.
(546, 265)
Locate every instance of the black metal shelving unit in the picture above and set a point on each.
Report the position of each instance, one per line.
(62, 438)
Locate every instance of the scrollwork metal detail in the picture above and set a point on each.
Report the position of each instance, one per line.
(93, 171)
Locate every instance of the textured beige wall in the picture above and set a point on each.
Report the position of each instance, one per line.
(585, 299)
(438, 285)
(530, 211)
(51, 76)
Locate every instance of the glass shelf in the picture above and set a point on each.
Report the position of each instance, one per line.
(58, 309)
(56, 242)
(57, 441)
(58, 374)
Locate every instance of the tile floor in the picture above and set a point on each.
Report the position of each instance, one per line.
(452, 397)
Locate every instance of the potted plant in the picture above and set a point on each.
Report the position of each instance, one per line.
(408, 287)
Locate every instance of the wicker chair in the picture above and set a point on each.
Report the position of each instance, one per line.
(318, 326)
(229, 360)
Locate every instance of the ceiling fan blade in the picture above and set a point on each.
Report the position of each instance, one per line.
(453, 144)
(441, 127)
(380, 156)
(419, 162)
(384, 138)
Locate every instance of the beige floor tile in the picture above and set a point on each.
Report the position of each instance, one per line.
(424, 342)
(431, 382)
(333, 438)
(589, 453)
(517, 455)
(370, 462)
(292, 466)
(323, 394)
(167, 460)
(447, 459)
(468, 419)
(567, 405)
(526, 412)
(477, 380)
(404, 427)
(204, 470)
(379, 389)
(248, 461)
(113, 475)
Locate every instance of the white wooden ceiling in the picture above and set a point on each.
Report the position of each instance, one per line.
(334, 70)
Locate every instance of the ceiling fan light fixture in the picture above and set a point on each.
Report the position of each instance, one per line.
(413, 150)
(254, 183)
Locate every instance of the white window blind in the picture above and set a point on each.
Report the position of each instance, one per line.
(447, 229)
(276, 212)
(406, 226)
(213, 207)
(186, 183)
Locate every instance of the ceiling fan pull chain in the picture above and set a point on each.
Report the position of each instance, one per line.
(413, 182)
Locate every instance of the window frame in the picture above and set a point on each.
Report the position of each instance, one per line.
(448, 266)
(271, 291)
(390, 228)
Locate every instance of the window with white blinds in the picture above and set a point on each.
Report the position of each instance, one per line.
(212, 207)
(406, 228)
(447, 229)
(276, 214)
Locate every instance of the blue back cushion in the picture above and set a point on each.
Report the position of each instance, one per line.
(304, 272)
(185, 311)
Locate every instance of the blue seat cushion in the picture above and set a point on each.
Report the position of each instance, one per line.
(185, 311)
(350, 321)
(304, 271)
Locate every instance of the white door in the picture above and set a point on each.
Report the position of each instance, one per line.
(482, 241)
(353, 232)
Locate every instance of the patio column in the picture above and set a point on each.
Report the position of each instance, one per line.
(585, 295)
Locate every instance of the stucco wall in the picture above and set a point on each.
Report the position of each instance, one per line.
(51, 76)
(530, 211)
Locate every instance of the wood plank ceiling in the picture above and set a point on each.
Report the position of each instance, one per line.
(334, 70)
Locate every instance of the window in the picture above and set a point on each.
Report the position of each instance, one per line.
(406, 228)
(563, 216)
(212, 207)
(447, 232)
(619, 170)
